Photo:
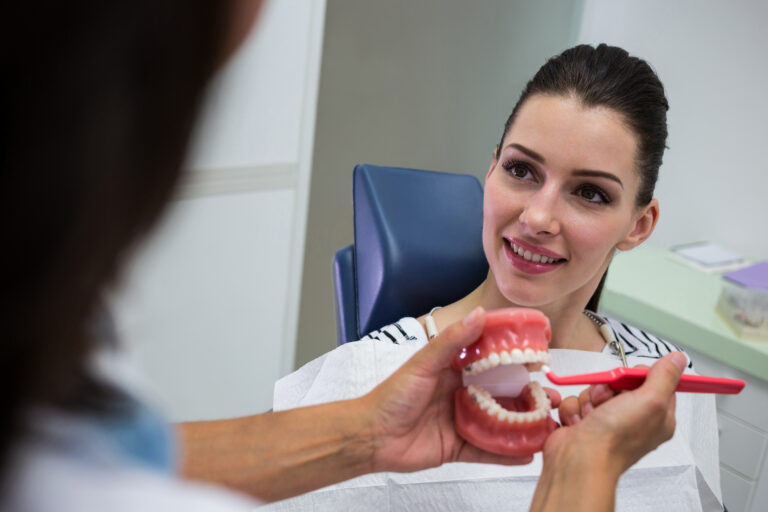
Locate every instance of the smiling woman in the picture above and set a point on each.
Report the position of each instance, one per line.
(570, 183)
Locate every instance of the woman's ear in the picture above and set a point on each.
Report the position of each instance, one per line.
(645, 222)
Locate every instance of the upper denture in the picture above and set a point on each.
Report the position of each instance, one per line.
(518, 336)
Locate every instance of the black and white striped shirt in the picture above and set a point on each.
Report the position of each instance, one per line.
(638, 343)
(406, 330)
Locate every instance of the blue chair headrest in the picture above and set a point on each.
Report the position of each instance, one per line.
(418, 241)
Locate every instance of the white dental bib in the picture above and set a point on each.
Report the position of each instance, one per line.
(671, 478)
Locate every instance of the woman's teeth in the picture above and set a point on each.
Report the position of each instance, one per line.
(530, 256)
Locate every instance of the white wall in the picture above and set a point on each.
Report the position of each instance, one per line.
(711, 57)
(210, 304)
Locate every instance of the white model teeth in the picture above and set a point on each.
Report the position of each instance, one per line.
(486, 402)
(514, 356)
(531, 256)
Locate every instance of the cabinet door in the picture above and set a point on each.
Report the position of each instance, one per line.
(741, 446)
(736, 490)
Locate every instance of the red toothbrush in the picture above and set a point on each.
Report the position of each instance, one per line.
(622, 378)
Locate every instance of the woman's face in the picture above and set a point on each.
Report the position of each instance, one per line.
(559, 199)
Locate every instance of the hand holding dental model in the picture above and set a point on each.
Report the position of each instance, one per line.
(412, 406)
(404, 424)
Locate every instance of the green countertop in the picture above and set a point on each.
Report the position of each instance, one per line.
(649, 288)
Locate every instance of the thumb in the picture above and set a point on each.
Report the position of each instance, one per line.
(665, 373)
(439, 352)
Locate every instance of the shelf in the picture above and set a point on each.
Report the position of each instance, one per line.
(649, 288)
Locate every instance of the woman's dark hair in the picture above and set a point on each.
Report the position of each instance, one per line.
(97, 101)
(607, 76)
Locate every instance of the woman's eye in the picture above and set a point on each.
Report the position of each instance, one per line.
(517, 170)
(593, 195)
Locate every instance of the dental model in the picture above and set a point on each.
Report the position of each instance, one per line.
(499, 409)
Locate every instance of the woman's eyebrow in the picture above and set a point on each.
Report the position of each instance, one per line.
(598, 174)
(529, 152)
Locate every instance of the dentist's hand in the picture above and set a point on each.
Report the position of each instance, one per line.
(633, 422)
(404, 424)
(412, 411)
(603, 435)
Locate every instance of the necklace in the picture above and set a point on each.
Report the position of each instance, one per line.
(605, 331)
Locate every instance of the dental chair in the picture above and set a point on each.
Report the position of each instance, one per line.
(418, 244)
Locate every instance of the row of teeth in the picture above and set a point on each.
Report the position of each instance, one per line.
(487, 403)
(529, 256)
(514, 356)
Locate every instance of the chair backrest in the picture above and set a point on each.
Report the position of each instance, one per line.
(418, 244)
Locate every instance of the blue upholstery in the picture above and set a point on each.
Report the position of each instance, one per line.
(418, 244)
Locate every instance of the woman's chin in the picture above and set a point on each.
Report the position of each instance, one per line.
(520, 292)
(533, 299)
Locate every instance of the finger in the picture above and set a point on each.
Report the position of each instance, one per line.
(554, 396)
(438, 353)
(665, 373)
(671, 420)
(585, 407)
(569, 411)
(600, 393)
(585, 403)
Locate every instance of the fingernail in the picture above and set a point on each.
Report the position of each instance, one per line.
(588, 408)
(575, 419)
(680, 360)
(471, 319)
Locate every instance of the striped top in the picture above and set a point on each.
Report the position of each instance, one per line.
(636, 342)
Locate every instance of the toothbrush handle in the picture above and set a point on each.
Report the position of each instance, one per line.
(704, 384)
(624, 378)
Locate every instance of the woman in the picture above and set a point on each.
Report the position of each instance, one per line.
(570, 183)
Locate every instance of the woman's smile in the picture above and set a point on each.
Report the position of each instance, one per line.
(531, 259)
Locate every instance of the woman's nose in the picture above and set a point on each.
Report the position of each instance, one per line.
(539, 217)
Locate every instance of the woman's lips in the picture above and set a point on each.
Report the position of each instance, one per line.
(549, 261)
(535, 249)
